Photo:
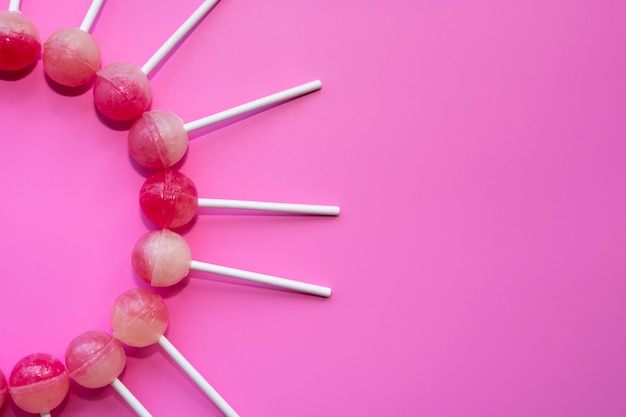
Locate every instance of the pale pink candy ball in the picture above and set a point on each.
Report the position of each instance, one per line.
(4, 391)
(71, 57)
(139, 317)
(157, 139)
(122, 91)
(162, 258)
(19, 41)
(38, 383)
(94, 359)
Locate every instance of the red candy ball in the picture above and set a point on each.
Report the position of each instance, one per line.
(71, 57)
(38, 383)
(19, 41)
(169, 199)
(4, 391)
(122, 91)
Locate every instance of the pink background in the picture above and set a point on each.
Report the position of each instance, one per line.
(476, 149)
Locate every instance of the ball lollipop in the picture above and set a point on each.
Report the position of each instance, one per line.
(163, 258)
(139, 319)
(38, 383)
(71, 56)
(122, 91)
(159, 139)
(95, 359)
(169, 199)
(19, 39)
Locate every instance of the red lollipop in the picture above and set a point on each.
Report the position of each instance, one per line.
(38, 383)
(122, 91)
(169, 199)
(19, 39)
(4, 391)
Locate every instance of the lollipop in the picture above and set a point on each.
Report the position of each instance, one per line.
(19, 39)
(4, 392)
(122, 91)
(169, 199)
(38, 383)
(163, 258)
(159, 139)
(71, 56)
(139, 319)
(95, 359)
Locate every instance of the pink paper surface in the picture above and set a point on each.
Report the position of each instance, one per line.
(476, 150)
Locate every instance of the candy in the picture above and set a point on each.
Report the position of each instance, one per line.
(169, 199)
(159, 139)
(4, 391)
(122, 91)
(71, 56)
(95, 359)
(38, 383)
(139, 318)
(163, 258)
(19, 40)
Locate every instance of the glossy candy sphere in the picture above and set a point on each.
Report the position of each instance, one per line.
(94, 359)
(122, 91)
(139, 317)
(162, 258)
(19, 41)
(169, 199)
(71, 57)
(38, 383)
(157, 139)
(4, 390)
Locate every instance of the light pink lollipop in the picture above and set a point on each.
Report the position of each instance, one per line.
(163, 258)
(19, 39)
(95, 359)
(4, 391)
(122, 91)
(38, 383)
(71, 56)
(139, 318)
(159, 139)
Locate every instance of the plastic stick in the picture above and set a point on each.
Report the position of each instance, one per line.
(254, 105)
(197, 377)
(130, 398)
(270, 206)
(178, 35)
(14, 5)
(45, 414)
(262, 278)
(94, 8)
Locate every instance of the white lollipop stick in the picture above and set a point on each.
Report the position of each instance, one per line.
(45, 414)
(270, 206)
(94, 8)
(262, 278)
(178, 35)
(14, 5)
(130, 398)
(197, 377)
(254, 105)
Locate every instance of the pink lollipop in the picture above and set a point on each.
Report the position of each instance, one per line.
(163, 258)
(169, 199)
(95, 359)
(4, 391)
(19, 39)
(122, 91)
(38, 383)
(71, 56)
(139, 318)
(159, 139)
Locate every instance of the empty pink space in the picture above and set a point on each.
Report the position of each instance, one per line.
(476, 150)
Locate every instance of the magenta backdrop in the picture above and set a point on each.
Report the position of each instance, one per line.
(477, 151)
